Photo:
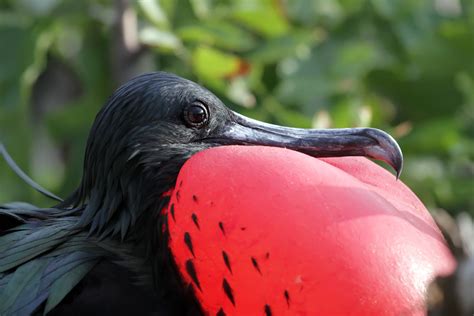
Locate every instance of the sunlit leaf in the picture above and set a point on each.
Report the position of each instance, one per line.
(212, 63)
(159, 39)
(265, 17)
(154, 12)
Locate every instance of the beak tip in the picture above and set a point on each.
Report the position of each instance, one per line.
(396, 160)
(387, 150)
(398, 170)
(396, 157)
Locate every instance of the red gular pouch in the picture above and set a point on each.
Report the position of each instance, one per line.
(268, 231)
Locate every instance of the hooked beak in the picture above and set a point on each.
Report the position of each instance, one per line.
(368, 142)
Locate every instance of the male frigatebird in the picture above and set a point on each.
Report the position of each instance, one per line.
(105, 249)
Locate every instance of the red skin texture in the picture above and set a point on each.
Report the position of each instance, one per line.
(340, 236)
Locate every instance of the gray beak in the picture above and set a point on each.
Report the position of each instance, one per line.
(368, 142)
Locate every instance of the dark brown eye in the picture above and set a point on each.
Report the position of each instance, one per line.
(196, 114)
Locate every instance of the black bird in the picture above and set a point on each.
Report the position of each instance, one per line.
(103, 250)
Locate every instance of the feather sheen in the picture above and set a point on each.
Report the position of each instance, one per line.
(41, 261)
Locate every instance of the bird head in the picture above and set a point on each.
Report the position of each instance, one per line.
(151, 125)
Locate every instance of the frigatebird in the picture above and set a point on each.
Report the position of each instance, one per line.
(104, 249)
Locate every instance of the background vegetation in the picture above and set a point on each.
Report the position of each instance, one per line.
(404, 66)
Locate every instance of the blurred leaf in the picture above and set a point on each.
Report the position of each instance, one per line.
(160, 39)
(278, 48)
(37, 8)
(399, 9)
(311, 12)
(417, 99)
(263, 16)
(350, 112)
(212, 63)
(20, 52)
(465, 84)
(240, 93)
(354, 59)
(202, 8)
(154, 12)
(65, 125)
(311, 92)
(285, 116)
(220, 34)
(437, 135)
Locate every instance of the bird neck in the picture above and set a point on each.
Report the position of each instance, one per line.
(131, 208)
(124, 201)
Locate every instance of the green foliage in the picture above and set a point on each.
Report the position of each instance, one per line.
(404, 66)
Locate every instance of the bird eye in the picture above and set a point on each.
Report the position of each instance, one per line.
(196, 114)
